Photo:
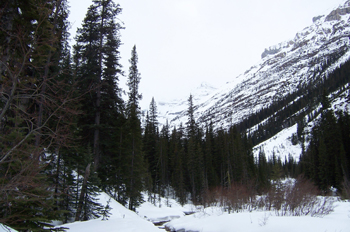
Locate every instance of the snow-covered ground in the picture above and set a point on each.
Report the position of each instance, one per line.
(121, 219)
(212, 219)
(215, 220)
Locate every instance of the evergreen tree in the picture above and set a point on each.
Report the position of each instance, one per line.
(150, 144)
(32, 119)
(191, 123)
(210, 159)
(194, 154)
(263, 179)
(97, 63)
(163, 159)
(134, 160)
(97, 67)
(177, 166)
(344, 125)
(325, 157)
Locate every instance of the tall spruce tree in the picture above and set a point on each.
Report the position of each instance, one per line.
(194, 154)
(163, 159)
(97, 62)
(134, 168)
(177, 166)
(97, 66)
(150, 143)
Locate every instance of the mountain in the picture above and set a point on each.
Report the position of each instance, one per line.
(283, 69)
(176, 109)
(285, 75)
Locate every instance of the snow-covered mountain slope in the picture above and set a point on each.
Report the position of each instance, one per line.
(282, 69)
(174, 110)
(281, 144)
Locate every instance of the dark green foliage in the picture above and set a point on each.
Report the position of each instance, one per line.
(97, 67)
(176, 164)
(263, 173)
(150, 145)
(134, 168)
(106, 211)
(36, 111)
(91, 208)
(102, 122)
(325, 160)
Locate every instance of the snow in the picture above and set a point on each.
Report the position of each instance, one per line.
(4, 228)
(280, 145)
(160, 213)
(214, 220)
(210, 219)
(121, 219)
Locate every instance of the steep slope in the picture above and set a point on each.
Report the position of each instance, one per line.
(177, 107)
(284, 68)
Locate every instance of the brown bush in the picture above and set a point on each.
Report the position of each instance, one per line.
(299, 198)
(289, 198)
(236, 197)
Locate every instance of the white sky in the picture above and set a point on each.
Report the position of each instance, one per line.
(182, 43)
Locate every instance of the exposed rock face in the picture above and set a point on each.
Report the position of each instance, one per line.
(337, 13)
(270, 51)
(314, 19)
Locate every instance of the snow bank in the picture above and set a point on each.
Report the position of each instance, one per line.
(121, 219)
(263, 221)
(4, 228)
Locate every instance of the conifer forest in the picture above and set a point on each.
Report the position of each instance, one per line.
(69, 131)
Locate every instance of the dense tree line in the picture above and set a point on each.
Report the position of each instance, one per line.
(66, 133)
(190, 160)
(327, 157)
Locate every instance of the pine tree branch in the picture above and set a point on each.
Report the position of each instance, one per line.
(15, 80)
(32, 131)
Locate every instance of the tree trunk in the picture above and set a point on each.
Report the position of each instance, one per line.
(131, 201)
(45, 77)
(98, 96)
(82, 192)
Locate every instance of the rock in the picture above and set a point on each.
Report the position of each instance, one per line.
(314, 19)
(270, 51)
(336, 14)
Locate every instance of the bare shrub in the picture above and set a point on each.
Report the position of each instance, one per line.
(235, 198)
(285, 198)
(211, 196)
(302, 198)
(239, 197)
(297, 198)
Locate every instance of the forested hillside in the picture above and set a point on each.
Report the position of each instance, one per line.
(66, 133)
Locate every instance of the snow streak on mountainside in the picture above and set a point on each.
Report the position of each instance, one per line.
(282, 69)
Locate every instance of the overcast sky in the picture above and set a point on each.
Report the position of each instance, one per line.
(182, 43)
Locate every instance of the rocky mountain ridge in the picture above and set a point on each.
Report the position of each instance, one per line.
(283, 69)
